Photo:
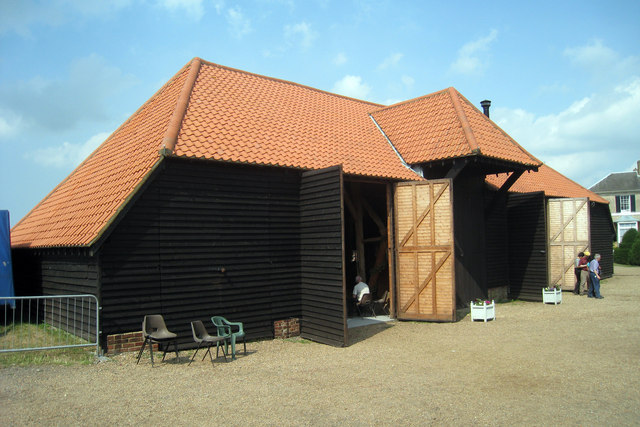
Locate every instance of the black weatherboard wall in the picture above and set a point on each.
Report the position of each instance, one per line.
(194, 220)
(602, 236)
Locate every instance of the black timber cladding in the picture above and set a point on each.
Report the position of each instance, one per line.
(322, 270)
(469, 234)
(496, 231)
(602, 236)
(195, 220)
(528, 266)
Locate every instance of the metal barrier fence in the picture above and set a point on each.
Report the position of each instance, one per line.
(48, 322)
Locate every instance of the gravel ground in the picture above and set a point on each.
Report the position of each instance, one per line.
(571, 364)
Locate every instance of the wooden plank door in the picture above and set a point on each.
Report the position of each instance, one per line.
(322, 287)
(568, 228)
(424, 251)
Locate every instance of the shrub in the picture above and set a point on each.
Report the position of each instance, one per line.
(629, 237)
(621, 255)
(634, 253)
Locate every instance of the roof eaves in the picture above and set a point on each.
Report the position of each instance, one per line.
(158, 92)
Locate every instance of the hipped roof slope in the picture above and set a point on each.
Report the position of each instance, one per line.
(211, 112)
(618, 182)
(81, 206)
(445, 125)
(548, 180)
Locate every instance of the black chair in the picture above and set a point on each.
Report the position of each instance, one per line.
(365, 305)
(155, 330)
(202, 337)
(384, 302)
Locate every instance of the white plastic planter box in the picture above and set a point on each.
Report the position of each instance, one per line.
(483, 312)
(552, 297)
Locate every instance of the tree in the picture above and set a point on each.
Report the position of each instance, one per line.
(634, 253)
(629, 238)
(621, 255)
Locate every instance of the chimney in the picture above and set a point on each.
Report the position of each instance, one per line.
(638, 168)
(485, 106)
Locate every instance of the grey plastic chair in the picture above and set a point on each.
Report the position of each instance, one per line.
(202, 337)
(155, 330)
(384, 302)
(365, 305)
(224, 329)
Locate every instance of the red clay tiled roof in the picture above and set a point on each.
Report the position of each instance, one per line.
(212, 112)
(548, 180)
(241, 117)
(445, 125)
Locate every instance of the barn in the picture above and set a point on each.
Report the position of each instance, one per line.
(235, 194)
(551, 219)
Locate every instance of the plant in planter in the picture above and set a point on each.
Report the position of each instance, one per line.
(552, 294)
(482, 310)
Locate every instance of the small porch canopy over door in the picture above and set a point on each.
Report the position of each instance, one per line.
(568, 228)
(424, 245)
(322, 293)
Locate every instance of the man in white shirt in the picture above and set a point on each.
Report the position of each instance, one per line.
(359, 289)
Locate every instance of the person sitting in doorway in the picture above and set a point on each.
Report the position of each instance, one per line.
(360, 289)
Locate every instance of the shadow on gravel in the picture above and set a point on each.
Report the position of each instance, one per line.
(363, 332)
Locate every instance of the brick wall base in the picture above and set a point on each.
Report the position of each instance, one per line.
(127, 342)
(286, 328)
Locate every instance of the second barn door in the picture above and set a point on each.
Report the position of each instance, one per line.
(568, 228)
(424, 251)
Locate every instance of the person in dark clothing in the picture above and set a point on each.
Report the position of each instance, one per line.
(576, 271)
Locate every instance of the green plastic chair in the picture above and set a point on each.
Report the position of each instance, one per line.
(224, 328)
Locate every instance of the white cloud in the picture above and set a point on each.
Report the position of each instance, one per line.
(407, 80)
(20, 16)
(472, 56)
(67, 154)
(300, 34)
(61, 104)
(605, 65)
(352, 86)
(10, 124)
(390, 61)
(340, 59)
(193, 8)
(239, 23)
(593, 135)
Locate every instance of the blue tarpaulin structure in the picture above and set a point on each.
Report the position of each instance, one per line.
(6, 271)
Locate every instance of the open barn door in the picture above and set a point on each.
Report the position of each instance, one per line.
(322, 293)
(424, 251)
(568, 228)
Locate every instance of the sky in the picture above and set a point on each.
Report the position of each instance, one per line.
(563, 76)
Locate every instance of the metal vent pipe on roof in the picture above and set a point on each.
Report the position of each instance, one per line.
(485, 106)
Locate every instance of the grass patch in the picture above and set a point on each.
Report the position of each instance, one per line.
(32, 335)
(298, 340)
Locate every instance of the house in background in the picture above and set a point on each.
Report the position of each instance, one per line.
(622, 190)
(259, 199)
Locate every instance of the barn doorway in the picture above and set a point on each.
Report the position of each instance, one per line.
(366, 234)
